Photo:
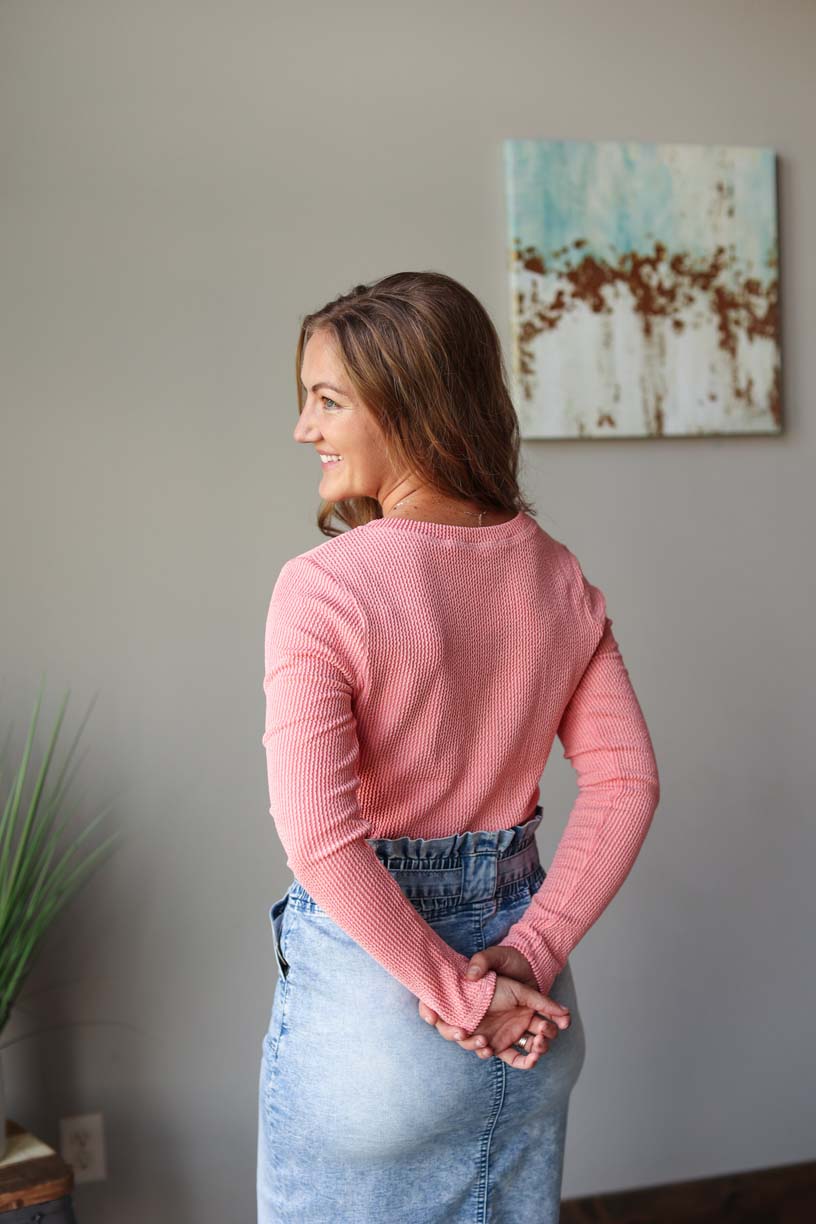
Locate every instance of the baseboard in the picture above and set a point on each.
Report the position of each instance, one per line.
(785, 1194)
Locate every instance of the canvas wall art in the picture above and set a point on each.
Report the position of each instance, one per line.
(644, 289)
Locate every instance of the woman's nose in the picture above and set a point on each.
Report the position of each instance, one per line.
(304, 431)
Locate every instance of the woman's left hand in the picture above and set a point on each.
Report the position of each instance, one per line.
(510, 963)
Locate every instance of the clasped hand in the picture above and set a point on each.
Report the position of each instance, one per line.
(513, 1011)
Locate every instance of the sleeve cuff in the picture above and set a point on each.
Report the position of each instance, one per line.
(543, 963)
(476, 998)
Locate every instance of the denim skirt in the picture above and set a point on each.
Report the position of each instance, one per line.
(366, 1114)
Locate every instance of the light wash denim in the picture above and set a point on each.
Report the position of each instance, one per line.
(366, 1114)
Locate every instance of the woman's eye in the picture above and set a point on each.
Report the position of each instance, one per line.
(326, 400)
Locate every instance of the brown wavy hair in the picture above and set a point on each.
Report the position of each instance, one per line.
(423, 355)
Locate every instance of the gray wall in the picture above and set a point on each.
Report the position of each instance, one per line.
(180, 183)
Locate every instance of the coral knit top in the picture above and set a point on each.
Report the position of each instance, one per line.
(416, 675)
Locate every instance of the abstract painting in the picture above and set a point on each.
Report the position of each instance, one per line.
(644, 289)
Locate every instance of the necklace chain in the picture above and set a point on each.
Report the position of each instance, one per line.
(472, 513)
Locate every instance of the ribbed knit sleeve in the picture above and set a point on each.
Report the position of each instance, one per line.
(315, 669)
(605, 738)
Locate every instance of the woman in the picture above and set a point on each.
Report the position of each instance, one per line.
(418, 667)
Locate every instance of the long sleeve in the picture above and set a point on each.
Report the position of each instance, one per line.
(315, 668)
(605, 738)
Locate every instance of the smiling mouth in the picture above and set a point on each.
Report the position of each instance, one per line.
(331, 462)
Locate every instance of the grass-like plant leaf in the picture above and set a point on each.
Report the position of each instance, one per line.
(32, 891)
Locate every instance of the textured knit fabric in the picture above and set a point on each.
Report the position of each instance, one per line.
(416, 675)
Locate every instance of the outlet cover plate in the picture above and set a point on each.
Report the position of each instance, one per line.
(82, 1146)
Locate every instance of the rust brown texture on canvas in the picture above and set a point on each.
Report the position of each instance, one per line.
(660, 285)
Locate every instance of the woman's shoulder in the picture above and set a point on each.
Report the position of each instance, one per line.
(338, 556)
(331, 574)
(589, 598)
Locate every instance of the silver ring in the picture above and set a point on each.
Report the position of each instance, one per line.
(522, 1041)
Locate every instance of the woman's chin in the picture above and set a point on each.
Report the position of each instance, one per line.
(333, 490)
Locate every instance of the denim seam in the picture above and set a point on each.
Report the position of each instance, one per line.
(274, 1046)
(500, 1081)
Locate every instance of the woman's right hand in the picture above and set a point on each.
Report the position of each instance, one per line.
(513, 1011)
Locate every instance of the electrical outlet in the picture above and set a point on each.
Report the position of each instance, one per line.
(82, 1145)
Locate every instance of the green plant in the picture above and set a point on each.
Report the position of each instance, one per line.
(32, 891)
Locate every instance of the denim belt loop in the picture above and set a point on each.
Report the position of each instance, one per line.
(479, 873)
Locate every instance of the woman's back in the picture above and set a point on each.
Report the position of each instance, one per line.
(462, 645)
(416, 675)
